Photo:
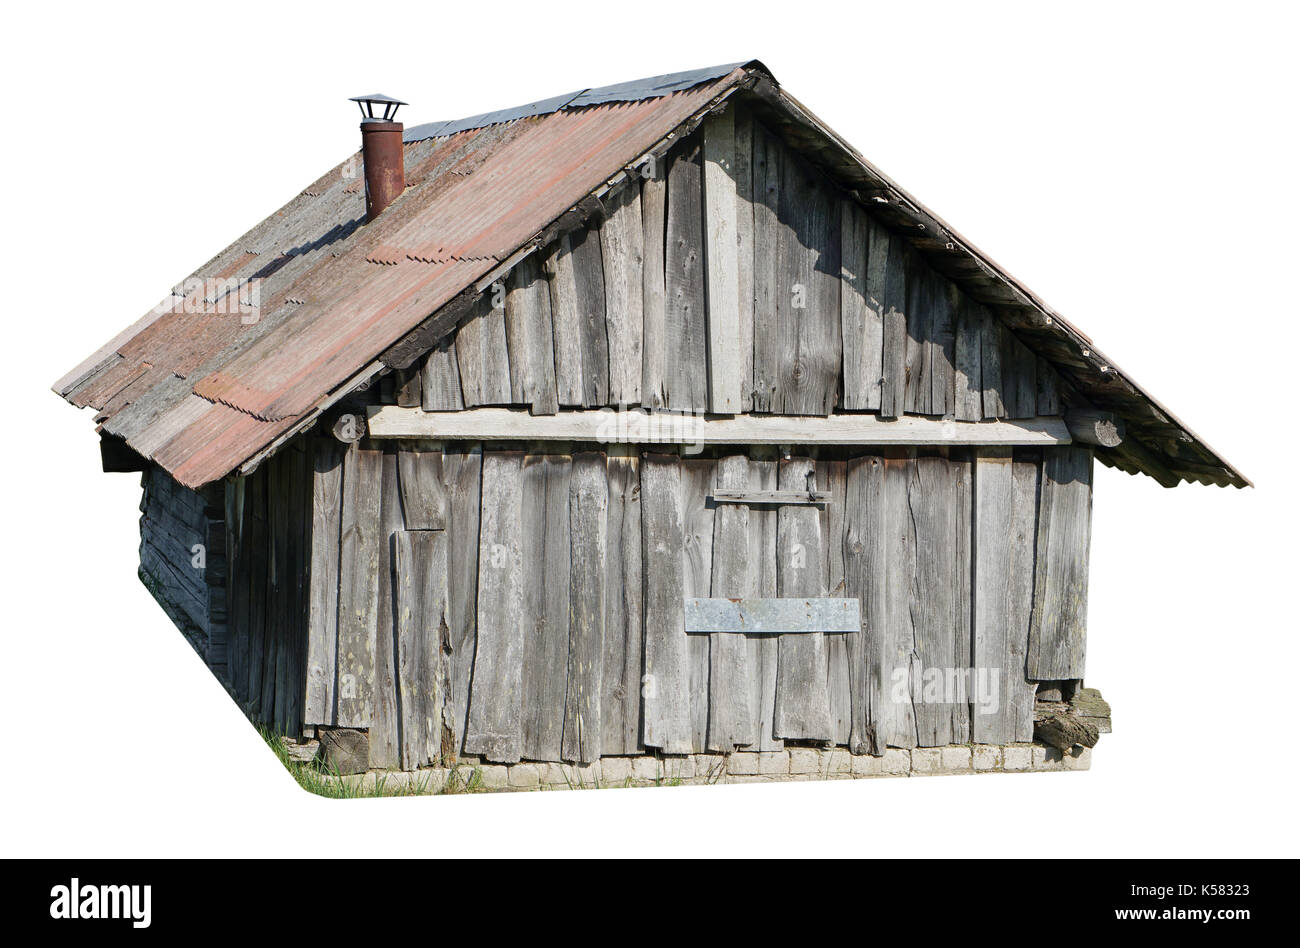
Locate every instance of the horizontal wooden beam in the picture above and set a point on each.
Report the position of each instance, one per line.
(773, 616)
(637, 426)
(1102, 428)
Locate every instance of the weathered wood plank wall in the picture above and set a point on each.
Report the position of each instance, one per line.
(535, 598)
(183, 560)
(271, 557)
(732, 276)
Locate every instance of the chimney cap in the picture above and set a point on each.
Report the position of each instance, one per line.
(367, 105)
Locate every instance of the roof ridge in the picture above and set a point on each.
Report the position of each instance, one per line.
(634, 91)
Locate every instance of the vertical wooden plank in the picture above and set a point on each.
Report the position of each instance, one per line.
(933, 502)
(420, 566)
(238, 589)
(992, 721)
(566, 323)
(256, 546)
(991, 364)
(358, 585)
(744, 176)
(832, 477)
(802, 710)
(722, 263)
(410, 386)
(1019, 388)
(943, 347)
(887, 281)
(898, 671)
(961, 468)
(686, 338)
(624, 637)
(697, 551)
(546, 557)
(482, 354)
(588, 512)
(440, 380)
(966, 358)
(323, 611)
(1049, 394)
(274, 684)
(589, 285)
(763, 649)
(424, 495)
(385, 743)
(1016, 689)
(462, 466)
(734, 576)
(1060, 613)
(865, 579)
(621, 236)
(769, 293)
(809, 264)
(920, 309)
(530, 338)
(860, 316)
(495, 705)
(666, 685)
(654, 352)
(300, 557)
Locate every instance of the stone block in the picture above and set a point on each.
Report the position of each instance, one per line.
(742, 764)
(493, 776)
(897, 761)
(864, 765)
(927, 760)
(773, 762)
(525, 776)
(617, 771)
(805, 760)
(1080, 758)
(644, 768)
(1017, 757)
(955, 759)
(1048, 758)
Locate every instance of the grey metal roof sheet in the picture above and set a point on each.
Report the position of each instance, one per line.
(634, 91)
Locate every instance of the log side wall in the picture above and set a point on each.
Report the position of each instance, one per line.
(183, 559)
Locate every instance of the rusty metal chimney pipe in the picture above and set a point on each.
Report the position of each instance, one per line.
(381, 152)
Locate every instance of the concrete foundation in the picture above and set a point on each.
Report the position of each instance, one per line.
(798, 763)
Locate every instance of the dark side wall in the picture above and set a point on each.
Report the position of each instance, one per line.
(183, 559)
(269, 514)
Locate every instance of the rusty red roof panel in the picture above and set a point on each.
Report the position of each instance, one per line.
(200, 389)
(494, 210)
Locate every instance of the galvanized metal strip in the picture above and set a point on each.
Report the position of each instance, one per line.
(726, 495)
(651, 87)
(773, 616)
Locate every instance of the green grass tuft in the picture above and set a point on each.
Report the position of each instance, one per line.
(316, 779)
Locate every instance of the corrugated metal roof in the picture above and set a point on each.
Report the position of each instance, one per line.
(201, 394)
(634, 91)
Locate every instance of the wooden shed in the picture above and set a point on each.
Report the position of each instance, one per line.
(641, 433)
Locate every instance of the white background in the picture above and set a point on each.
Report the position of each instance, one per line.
(1136, 167)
